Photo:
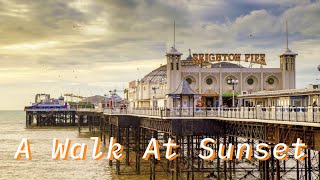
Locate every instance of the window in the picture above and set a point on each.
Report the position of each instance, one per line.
(250, 81)
(286, 66)
(177, 66)
(189, 80)
(270, 81)
(171, 66)
(292, 66)
(209, 81)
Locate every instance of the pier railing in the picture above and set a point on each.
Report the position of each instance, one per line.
(297, 114)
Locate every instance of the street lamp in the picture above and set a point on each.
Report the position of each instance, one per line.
(105, 101)
(111, 98)
(233, 82)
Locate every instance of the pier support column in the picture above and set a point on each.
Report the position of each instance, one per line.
(110, 135)
(176, 161)
(73, 118)
(118, 141)
(137, 149)
(27, 119)
(80, 122)
(127, 131)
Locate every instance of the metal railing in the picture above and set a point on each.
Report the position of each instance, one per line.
(296, 114)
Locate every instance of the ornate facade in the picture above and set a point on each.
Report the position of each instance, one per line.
(210, 80)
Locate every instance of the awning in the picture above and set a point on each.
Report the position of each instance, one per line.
(229, 94)
(210, 95)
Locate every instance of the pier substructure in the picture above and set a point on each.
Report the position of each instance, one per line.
(134, 133)
(50, 118)
(127, 132)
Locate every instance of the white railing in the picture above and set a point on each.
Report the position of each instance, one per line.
(297, 114)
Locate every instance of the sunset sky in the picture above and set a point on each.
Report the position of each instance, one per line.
(89, 47)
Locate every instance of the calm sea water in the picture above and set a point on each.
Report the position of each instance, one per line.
(12, 130)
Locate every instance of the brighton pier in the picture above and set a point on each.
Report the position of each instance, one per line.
(188, 102)
(133, 128)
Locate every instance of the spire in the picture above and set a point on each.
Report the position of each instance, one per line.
(288, 51)
(173, 50)
(189, 57)
(287, 34)
(174, 33)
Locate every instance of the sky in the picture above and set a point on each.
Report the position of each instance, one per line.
(89, 47)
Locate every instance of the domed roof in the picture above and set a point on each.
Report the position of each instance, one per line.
(226, 65)
(61, 98)
(157, 75)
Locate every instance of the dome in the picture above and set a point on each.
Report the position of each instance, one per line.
(157, 75)
(61, 98)
(226, 65)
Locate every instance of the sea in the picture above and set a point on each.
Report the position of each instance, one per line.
(42, 166)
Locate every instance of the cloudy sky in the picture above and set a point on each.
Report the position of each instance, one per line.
(89, 47)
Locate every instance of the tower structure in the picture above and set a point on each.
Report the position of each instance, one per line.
(288, 66)
(173, 69)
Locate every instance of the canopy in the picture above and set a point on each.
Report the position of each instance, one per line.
(183, 89)
(229, 94)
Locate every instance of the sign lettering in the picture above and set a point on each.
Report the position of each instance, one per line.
(206, 58)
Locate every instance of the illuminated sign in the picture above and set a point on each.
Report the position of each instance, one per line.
(252, 58)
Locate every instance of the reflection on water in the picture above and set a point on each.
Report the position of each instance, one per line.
(12, 130)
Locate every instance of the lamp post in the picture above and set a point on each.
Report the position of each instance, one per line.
(233, 82)
(105, 101)
(111, 99)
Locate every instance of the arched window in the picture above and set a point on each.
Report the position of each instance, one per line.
(172, 66)
(177, 65)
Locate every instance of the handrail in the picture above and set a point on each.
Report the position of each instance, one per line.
(296, 114)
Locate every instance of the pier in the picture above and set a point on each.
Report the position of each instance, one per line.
(133, 128)
(51, 117)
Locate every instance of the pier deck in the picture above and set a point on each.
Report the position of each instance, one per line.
(134, 128)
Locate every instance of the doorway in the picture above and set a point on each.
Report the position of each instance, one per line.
(209, 102)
